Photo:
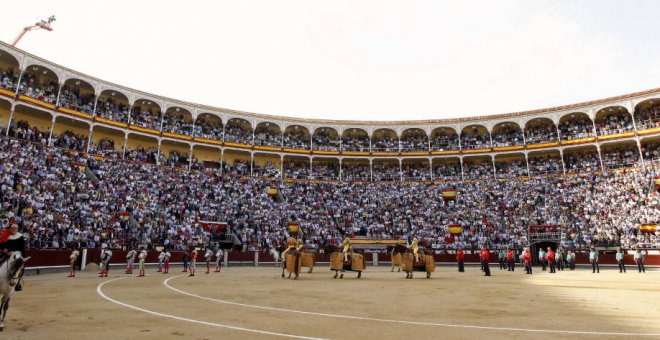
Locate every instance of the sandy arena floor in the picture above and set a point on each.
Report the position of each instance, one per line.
(256, 303)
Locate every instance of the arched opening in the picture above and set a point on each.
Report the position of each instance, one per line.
(326, 169)
(414, 140)
(146, 114)
(325, 139)
(30, 124)
(651, 150)
(444, 138)
(77, 95)
(507, 134)
(386, 170)
(268, 134)
(540, 130)
(266, 165)
(236, 162)
(9, 71)
(113, 105)
(178, 121)
(647, 114)
(40, 83)
(355, 169)
(297, 137)
(575, 125)
(624, 154)
(416, 169)
(208, 126)
(70, 134)
(239, 131)
(547, 162)
(479, 167)
(384, 140)
(475, 137)
(174, 154)
(141, 149)
(107, 142)
(447, 169)
(510, 166)
(355, 140)
(581, 159)
(296, 167)
(5, 113)
(612, 120)
(206, 158)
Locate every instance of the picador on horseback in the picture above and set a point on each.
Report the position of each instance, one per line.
(12, 249)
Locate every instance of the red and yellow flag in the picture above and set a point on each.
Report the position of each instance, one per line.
(293, 227)
(648, 228)
(455, 229)
(271, 191)
(449, 194)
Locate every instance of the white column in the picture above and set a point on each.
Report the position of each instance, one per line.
(563, 164)
(641, 155)
(529, 174)
(52, 127)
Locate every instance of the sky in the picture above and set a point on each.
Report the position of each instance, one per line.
(347, 59)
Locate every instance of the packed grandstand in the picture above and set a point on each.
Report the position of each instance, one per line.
(90, 164)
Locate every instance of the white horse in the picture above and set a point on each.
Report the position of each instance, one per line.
(11, 271)
(276, 255)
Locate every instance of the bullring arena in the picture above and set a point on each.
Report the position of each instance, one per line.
(382, 304)
(103, 180)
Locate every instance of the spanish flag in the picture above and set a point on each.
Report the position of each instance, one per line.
(293, 228)
(449, 194)
(455, 229)
(648, 228)
(657, 182)
(271, 191)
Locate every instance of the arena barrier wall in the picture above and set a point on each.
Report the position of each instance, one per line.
(43, 258)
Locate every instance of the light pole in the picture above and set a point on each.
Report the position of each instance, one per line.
(43, 24)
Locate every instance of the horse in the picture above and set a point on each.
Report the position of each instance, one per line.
(426, 263)
(276, 253)
(395, 255)
(302, 258)
(355, 261)
(292, 263)
(11, 272)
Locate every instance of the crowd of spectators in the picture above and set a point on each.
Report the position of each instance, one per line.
(8, 79)
(177, 123)
(508, 135)
(355, 143)
(416, 171)
(324, 141)
(541, 134)
(104, 148)
(113, 110)
(326, 171)
(447, 171)
(238, 134)
(478, 169)
(385, 143)
(579, 162)
(37, 87)
(72, 98)
(386, 171)
(475, 141)
(615, 123)
(648, 117)
(415, 142)
(445, 142)
(355, 171)
(545, 165)
(264, 136)
(46, 190)
(70, 140)
(142, 155)
(511, 169)
(208, 128)
(620, 158)
(146, 118)
(576, 129)
(297, 139)
(296, 169)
